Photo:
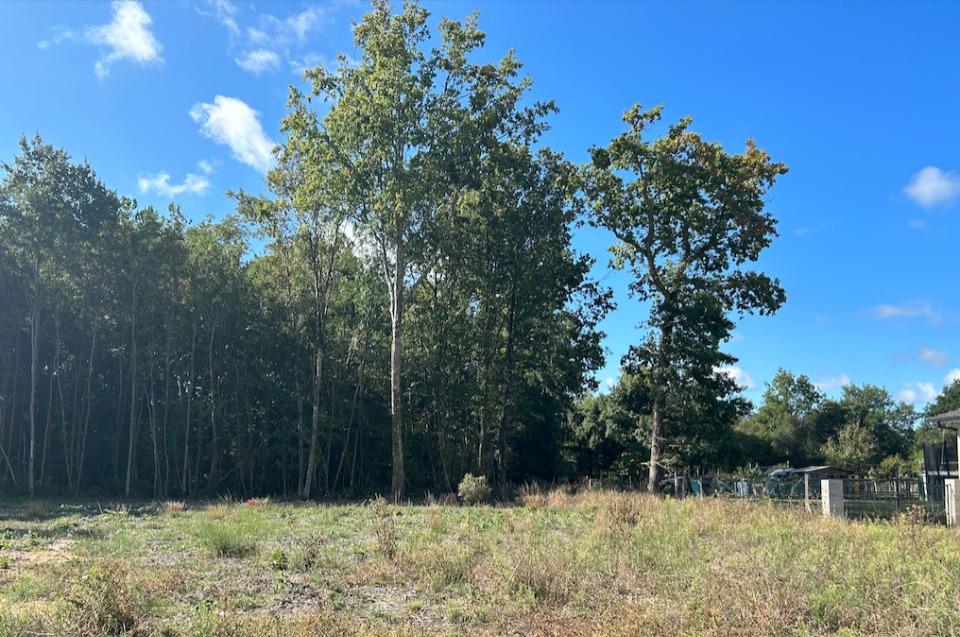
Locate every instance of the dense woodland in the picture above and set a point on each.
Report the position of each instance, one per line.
(404, 306)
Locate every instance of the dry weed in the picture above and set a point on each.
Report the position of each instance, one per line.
(174, 507)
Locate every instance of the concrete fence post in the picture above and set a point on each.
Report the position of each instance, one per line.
(951, 493)
(831, 495)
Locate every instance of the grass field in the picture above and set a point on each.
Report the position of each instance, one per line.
(555, 564)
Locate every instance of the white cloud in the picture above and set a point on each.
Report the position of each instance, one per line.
(232, 122)
(160, 184)
(61, 35)
(932, 186)
(295, 27)
(226, 12)
(917, 393)
(259, 61)
(128, 36)
(952, 376)
(205, 166)
(916, 224)
(739, 376)
(910, 309)
(609, 382)
(835, 382)
(257, 36)
(269, 40)
(933, 357)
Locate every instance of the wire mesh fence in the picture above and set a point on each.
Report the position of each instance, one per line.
(884, 498)
(892, 497)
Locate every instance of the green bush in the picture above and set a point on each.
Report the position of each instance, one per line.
(474, 490)
(102, 602)
(227, 540)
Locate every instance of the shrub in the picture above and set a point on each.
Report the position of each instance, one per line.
(226, 540)
(474, 490)
(174, 507)
(102, 603)
(217, 511)
(384, 528)
(532, 496)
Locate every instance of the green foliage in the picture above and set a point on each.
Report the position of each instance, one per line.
(102, 603)
(855, 448)
(474, 489)
(688, 217)
(794, 421)
(278, 560)
(227, 539)
(947, 400)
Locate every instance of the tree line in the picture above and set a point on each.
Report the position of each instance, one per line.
(414, 309)
(865, 430)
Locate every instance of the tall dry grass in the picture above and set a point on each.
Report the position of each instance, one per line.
(567, 563)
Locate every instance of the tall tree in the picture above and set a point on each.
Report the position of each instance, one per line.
(49, 206)
(404, 130)
(788, 420)
(688, 218)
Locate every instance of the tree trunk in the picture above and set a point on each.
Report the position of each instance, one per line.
(506, 403)
(396, 396)
(185, 481)
(314, 422)
(656, 438)
(132, 442)
(34, 355)
(49, 423)
(87, 409)
(213, 478)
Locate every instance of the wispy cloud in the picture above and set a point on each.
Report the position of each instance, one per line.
(932, 357)
(294, 28)
(738, 376)
(917, 392)
(232, 122)
(160, 184)
(226, 14)
(952, 376)
(910, 309)
(259, 61)
(127, 36)
(916, 224)
(268, 40)
(834, 382)
(63, 34)
(932, 186)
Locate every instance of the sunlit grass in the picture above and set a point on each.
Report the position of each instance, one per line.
(588, 563)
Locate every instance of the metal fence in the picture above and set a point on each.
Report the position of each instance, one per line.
(892, 497)
(874, 498)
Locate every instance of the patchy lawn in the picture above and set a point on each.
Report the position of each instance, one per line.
(557, 564)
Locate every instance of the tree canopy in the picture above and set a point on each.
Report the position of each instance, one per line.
(688, 218)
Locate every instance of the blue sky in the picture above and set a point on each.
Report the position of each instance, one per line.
(180, 101)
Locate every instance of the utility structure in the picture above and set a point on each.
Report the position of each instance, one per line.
(950, 421)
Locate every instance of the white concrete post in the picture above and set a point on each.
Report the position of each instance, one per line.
(951, 493)
(831, 495)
